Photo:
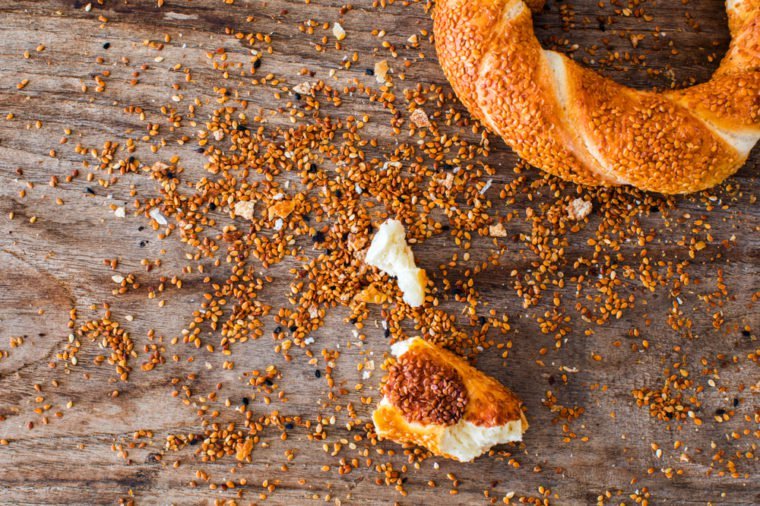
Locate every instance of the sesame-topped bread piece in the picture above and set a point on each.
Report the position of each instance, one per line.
(435, 399)
(573, 123)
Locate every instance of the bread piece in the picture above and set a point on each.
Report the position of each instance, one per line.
(435, 399)
(571, 122)
(390, 253)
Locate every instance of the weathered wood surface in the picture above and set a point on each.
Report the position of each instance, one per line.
(56, 264)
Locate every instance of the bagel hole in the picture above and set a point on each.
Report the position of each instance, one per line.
(676, 45)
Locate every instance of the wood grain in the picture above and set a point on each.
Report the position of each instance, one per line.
(56, 264)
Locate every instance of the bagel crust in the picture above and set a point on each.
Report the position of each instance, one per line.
(575, 124)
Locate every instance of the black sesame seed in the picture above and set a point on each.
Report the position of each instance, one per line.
(736, 402)
(90, 190)
(446, 228)
(352, 321)
(246, 401)
(140, 228)
(212, 206)
(293, 328)
(268, 382)
(200, 150)
(313, 168)
(654, 209)
(289, 426)
(143, 244)
(318, 373)
(106, 45)
(297, 95)
(194, 441)
(278, 330)
(369, 72)
(257, 64)
(746, 333)
(318, 237)
(482, 320)
(720, 411)
(387, 333)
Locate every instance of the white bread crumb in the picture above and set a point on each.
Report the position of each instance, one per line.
(338, 31)
(578, 209)
(390, 253)
(497, 230)
(244, 209)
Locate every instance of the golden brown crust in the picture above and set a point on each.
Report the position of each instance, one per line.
(462, 40)
(391, 424)
(727, 101)
(516, 100)
(744, 24)
(651, 142)
(577, 125)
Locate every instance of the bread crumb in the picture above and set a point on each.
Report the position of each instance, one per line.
(155, 213)
(420, 118)
(390, 253)
(371, 295)
(578, 209)
(244, 209)
(338, 31)
(281, 209)
(243, 449)
(497, 230)
(303, 88)
(448, 181)
(381, 71)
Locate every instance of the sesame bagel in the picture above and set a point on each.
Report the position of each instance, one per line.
(575, 124)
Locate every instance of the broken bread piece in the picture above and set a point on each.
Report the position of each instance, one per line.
(390, 253)
(435, 399)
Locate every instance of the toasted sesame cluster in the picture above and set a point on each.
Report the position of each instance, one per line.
(426, 391)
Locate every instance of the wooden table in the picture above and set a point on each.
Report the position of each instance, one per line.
(52, 261)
